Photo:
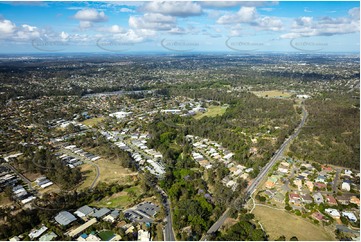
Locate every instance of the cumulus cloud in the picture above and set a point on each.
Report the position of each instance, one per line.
(244, 15)
(178, 9)
(24, 32)
(268, 23)
(89, 16)
(153, 21)
(326, 26)
(6, 27)
(227, 4)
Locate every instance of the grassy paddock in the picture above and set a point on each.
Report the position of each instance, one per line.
(93, 121)
(277, 223)
(212, 111)
(273, 94)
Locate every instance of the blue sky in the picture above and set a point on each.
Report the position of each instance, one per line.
(172, 27)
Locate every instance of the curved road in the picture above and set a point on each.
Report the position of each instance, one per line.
(262, 173)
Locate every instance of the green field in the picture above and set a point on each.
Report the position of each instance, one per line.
(212, 111)
(93, 121)
(122, 199)
(106, 235)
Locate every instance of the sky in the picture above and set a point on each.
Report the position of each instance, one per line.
(180, 27)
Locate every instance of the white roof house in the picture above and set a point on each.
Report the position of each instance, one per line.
(333, 212)
(350, 215)
(345, 186)
(143, 235)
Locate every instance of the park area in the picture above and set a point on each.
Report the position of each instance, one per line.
(122, 200)
(274, 221)
(272, 94)
(212, 111)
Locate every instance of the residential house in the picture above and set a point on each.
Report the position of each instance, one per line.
(331, 200)
(355, 200)
(84, 211)
(320, 179)
(37, 232)
(298, 183)
(269, 184)
(294, 198)
(309, 184)
(348, 173)
(64, 218)
(350, 215)
(143, 235)
(344, 200)
(317, 197)
(306, 198)
(333, 212)
(318, 216)
(326, 168)
(320, 185)
(346, 186)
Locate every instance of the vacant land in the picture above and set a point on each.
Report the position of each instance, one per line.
(122, 200)
(88, 172)
(274, 222)
(112, 171)
(4, 200)
(93, 121)
(273, 94)
(212, 111)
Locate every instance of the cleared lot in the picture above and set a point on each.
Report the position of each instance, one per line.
(274, 222)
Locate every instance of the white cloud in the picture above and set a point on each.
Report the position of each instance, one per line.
(269, 23)
(327, 26)
(354, 13)
(112, 29)
(178, 9)
(85, 24)
(153, 21)
(228, 4)
(244, 15)
(7, 27)
(90, 15)
(126, 10)
(64, 36)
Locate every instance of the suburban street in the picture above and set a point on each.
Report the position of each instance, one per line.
(23, 178)
(251, 188)
(168, 229)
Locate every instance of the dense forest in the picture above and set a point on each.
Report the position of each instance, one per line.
(332, 132)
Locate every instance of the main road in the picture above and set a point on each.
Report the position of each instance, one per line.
(251, 188)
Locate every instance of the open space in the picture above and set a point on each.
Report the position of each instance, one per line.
(122, 199)
(273, 94)
(212, 111)
(274, 222)
(111, 171)
(93, 121)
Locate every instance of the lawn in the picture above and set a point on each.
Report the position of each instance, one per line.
(273, 94)
(121, 200)
(93, 121)
(277, 223)
(106, 235)
(212, 111)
